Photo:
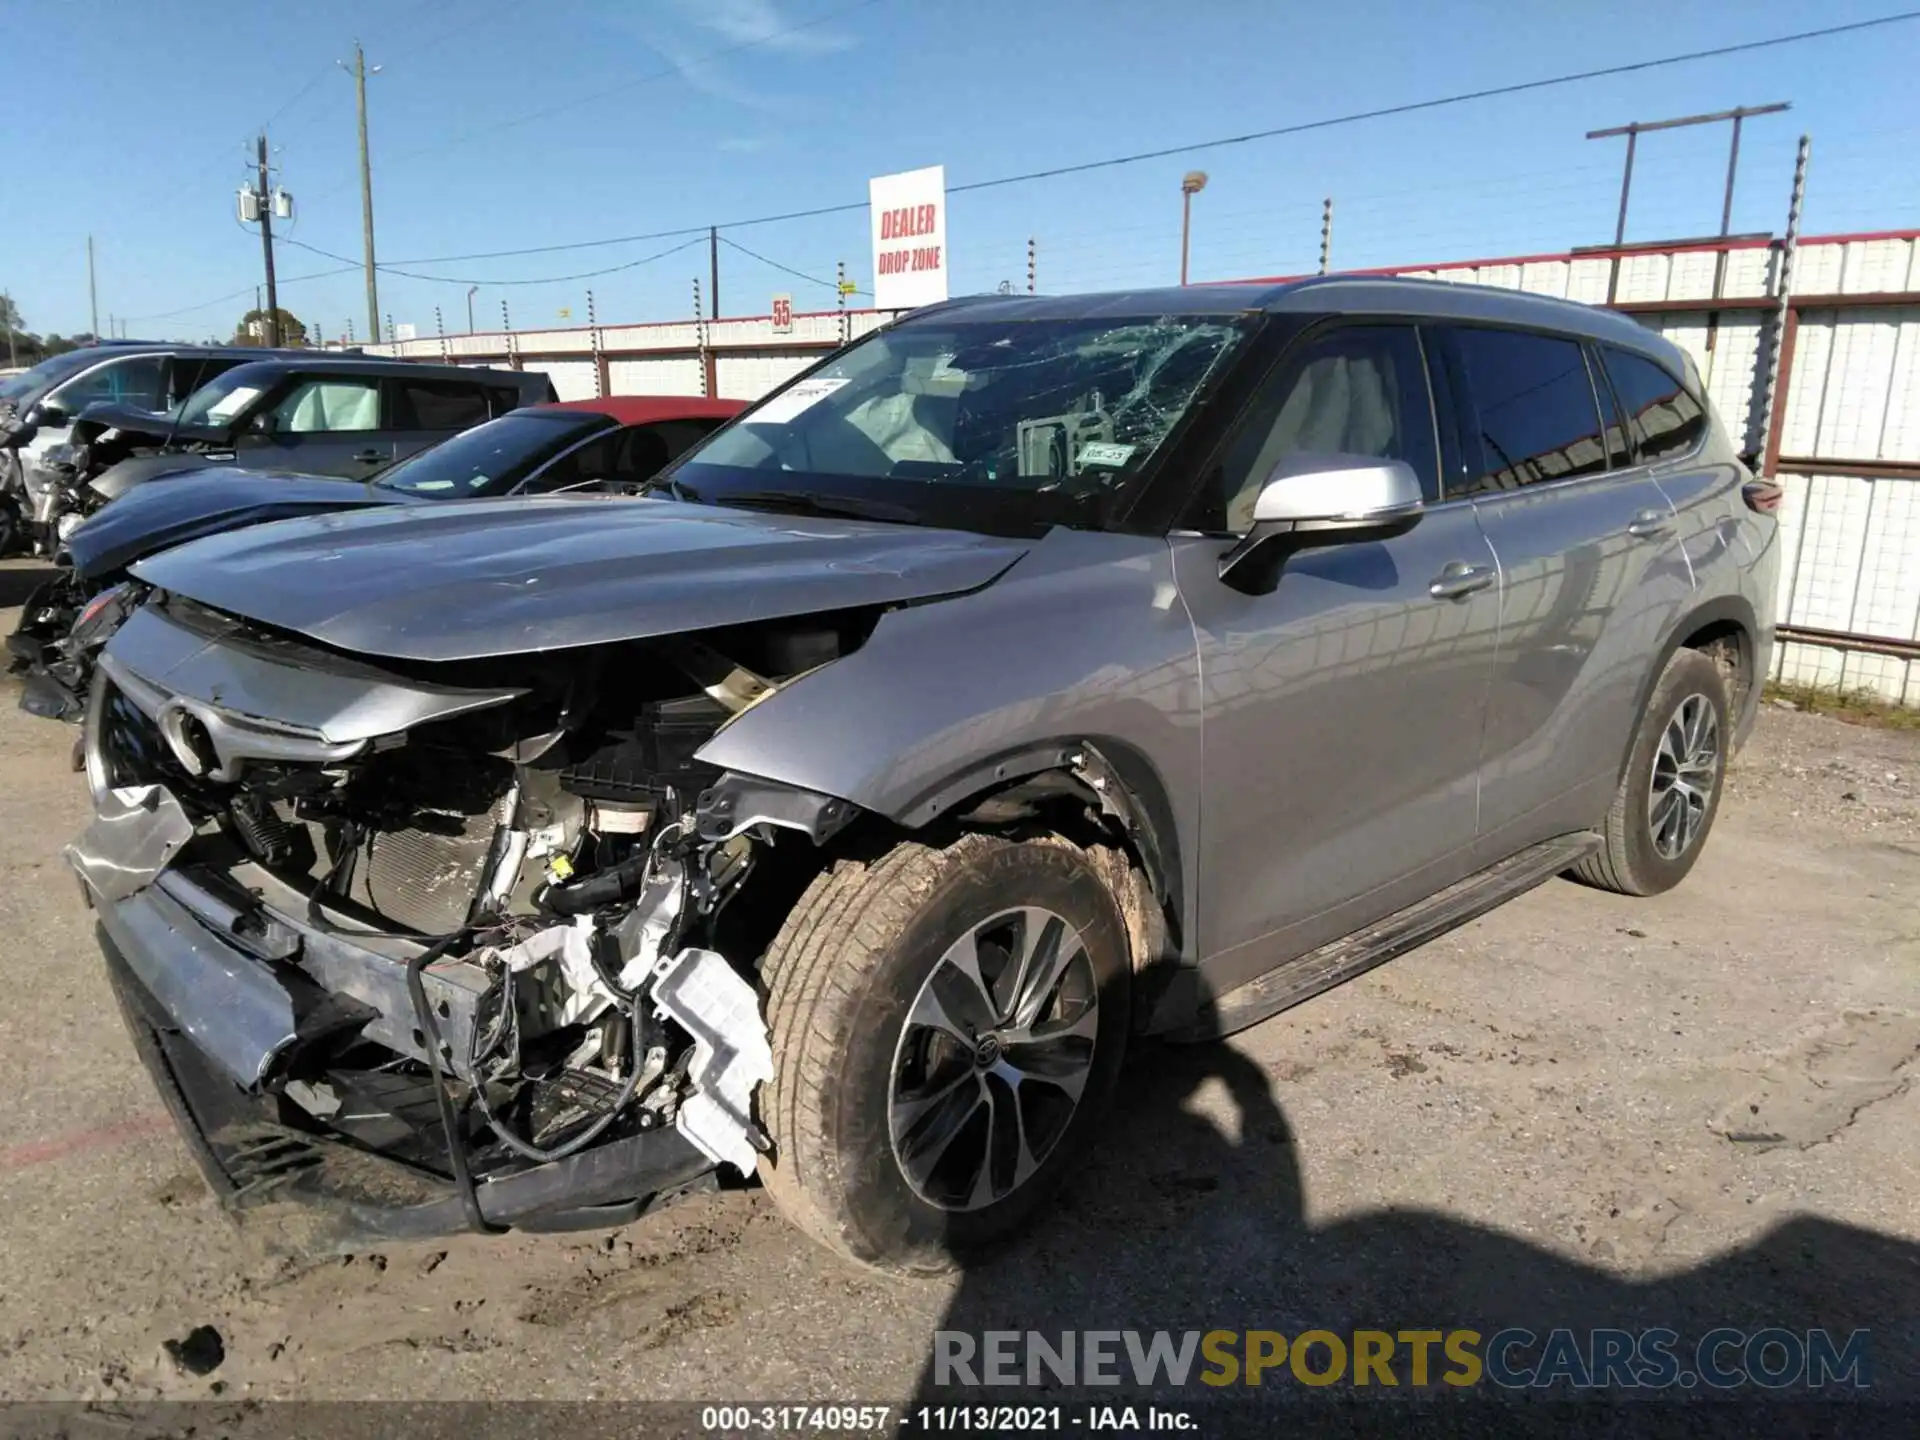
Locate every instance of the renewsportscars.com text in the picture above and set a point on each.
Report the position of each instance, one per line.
(1770, 1358)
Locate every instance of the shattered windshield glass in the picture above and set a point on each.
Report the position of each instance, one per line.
(1053, 410)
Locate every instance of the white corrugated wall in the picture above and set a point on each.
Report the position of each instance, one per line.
(573, 379)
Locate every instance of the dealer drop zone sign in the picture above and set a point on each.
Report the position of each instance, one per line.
(909, 215)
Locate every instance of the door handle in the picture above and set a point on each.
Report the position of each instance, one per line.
(370, 457)
(1649, 525)
(1459, 580)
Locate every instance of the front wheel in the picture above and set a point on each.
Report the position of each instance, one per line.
(1670, 792)
(947, 1027)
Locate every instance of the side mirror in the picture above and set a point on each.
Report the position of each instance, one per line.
(49, 415)
(1317, 498)
(263, 424)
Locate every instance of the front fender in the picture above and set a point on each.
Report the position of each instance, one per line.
(1085, 642)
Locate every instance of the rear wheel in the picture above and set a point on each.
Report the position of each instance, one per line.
(1670, 792)
(947, 1027)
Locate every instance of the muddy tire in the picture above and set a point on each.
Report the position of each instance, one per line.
(947, 1028)
(1670, 791)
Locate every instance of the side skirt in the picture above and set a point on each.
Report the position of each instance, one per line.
(1305, 976)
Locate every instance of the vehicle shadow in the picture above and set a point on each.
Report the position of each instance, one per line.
(1185, 1222)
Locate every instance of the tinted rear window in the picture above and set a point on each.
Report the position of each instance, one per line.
(1667, 420)
(437, 405)
(1532, 409)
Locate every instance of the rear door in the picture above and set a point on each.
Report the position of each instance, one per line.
(1669, 425)
(325, 424)
(1590, 570)
(1341, 708)
(424, 412)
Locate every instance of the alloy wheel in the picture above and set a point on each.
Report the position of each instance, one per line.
(1686, 768)
(993, 1058)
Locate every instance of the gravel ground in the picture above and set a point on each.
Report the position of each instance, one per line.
(1580, 1110)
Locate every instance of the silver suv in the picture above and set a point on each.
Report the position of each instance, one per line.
(1033, 675)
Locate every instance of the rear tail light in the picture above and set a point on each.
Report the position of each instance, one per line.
(1762, 495)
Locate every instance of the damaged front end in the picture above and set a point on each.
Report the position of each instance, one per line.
(444, 946)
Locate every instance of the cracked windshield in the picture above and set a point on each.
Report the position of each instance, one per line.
(1038, 407)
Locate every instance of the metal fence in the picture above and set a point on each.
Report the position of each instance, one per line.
(1844, 437)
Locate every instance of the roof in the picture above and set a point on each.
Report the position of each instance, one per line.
(1449, 300)
(650, 409)
(322, 360)
(1321, 295)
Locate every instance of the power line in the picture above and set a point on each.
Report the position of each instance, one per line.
(783, 269)
(1195, 147)
(1465, 97)
(236, 294)
(386, 269)
(297, 97)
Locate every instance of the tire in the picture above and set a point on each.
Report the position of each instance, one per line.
(846, 985)
(1633, 859)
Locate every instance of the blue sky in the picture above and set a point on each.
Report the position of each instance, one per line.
(505, 125)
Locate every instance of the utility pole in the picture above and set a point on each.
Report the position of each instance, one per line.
(271, 331)
(713, 267)
(1326, 233)
(93, 299)
(360, 72)
(6, 313)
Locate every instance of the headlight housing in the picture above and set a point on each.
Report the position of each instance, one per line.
(106, 613)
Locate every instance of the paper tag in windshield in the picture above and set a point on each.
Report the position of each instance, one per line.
(1105, 452)
(786, 405)
(232, 403)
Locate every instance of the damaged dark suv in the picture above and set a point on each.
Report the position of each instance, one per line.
(1032, 675)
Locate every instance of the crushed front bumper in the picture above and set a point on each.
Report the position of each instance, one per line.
(214, 1023)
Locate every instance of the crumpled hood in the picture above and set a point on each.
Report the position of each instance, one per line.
(156, 516)
(506, 577)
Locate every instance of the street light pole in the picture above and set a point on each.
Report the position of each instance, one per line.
(1191, 184)
(470, 290)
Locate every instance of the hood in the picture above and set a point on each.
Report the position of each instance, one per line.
(107, 415)
(157, 517)
(508, 577)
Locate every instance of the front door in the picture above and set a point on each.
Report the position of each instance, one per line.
(1342, 708)
(321, 426)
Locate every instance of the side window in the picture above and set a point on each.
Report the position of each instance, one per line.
(189, 372)
(504, 398)
(121, 382)
(1667, 420)
(437, 405)
(1359, 390)
(630, 455)
(1530, 405)
(680, 436)
(319, 407)
(580, 466)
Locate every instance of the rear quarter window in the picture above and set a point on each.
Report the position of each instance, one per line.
(1667, 419)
